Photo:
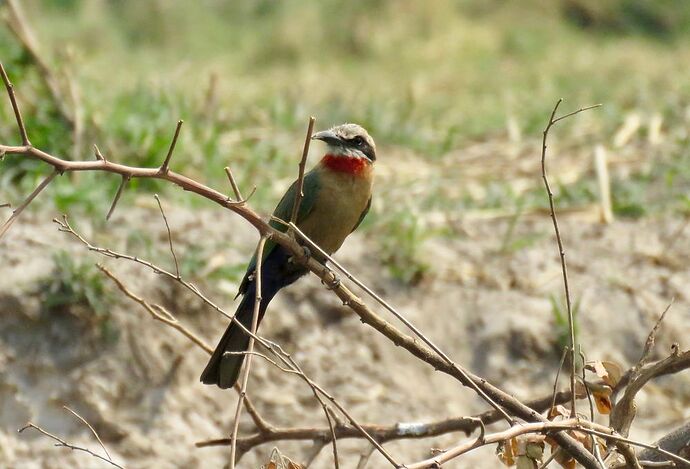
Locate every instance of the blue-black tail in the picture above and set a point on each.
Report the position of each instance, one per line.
(277, 272)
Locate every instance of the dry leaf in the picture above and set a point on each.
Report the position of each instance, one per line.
(280, 461)
(507, 451)
(614, 372)
(603, 401)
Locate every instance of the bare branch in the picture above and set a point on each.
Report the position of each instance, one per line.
(559, 240)
(121, 187)
(233, 183)
(85, 422)
(64, 444)
(15, 107)
(16, 212)
(165, 166)
(250, 349)
(302, 164)
(170, 241)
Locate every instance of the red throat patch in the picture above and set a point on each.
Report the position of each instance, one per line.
(344, 164)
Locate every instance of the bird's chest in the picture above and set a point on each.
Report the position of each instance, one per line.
(341, 200)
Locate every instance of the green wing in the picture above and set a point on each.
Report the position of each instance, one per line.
(283, 211)
(364, 214)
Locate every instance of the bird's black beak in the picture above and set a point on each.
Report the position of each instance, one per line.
(327, 136)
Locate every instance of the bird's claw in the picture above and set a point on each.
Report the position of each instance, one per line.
(306, 254)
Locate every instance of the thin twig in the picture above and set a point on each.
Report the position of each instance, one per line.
(559, 240)
(233, 183)
(93, 431)
(121, 187)
(15, 107)
(299, 195)
(97, 153)
(250, 348)
(165, 166)
(555, 381)
(170, 241)
(17, 211)
(64, 444)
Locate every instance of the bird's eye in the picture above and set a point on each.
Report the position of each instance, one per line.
(359, 141)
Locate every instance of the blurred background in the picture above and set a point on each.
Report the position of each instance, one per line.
(456, 95)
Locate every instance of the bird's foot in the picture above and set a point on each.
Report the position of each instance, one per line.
(306, 254)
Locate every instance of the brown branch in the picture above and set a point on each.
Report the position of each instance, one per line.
(385, 433)
(676, 442)
(95, 434)
(170, 241)
(624, 411)
(299, 195)
(537, 427)
(552, 121)
(250, 349)
(233, 183)
(64, 444)
(15, 107)
(121, 187)
(17, 211)
(165, 166)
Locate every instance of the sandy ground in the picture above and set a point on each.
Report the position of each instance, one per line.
(487, 309)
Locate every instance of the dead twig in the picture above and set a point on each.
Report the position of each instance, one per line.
(561, 251)
(165, 166)
(95, 434)
(17, 211)
(299, 195)
(62, 443)
(250, 349)
(170, 241)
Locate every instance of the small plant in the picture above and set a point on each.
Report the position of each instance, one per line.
(78, 288)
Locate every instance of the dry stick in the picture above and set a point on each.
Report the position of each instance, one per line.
(561, 251)
(165, 166)
(406, 322)
(121, 187)
(16, 212)
(555, 381)
(325, 274)
(623, 412)
(299, 195)
(595, 446)
(383, 433)
(95, 434)
(64, 444)
(170, 241)
(250, 349)
(97, 153)
(535, 427)
(15, 107)
(233, 183)
(21, 30)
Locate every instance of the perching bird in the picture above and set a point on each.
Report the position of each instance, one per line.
(337, 196)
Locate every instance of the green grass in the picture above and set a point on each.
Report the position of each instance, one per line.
(426, 78)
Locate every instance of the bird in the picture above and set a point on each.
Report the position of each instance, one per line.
(337, 196)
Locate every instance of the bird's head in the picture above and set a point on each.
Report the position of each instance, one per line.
(349, 141)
